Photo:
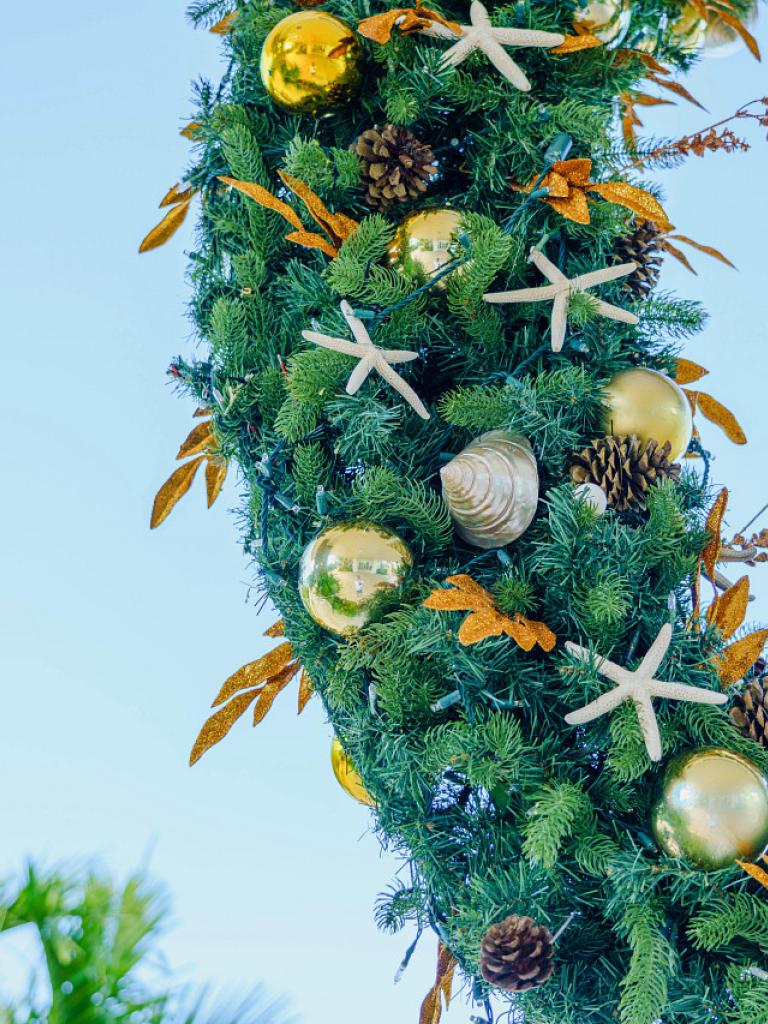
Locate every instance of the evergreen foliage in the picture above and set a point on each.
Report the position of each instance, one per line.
(494, 803)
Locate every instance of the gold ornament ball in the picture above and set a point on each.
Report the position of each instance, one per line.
(689, 30)
(349, 572)
(713, 809)
(347, 776)
(425, 241)
(311, 62)
(651, 406)
(606, 19)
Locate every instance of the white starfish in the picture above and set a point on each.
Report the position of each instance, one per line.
(371, 358)
(481, 35)
(560, 289)
(640, 686)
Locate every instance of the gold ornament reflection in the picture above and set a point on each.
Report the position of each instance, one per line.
(651, 406)
(349, 572)
(311, 62)
(606, 19)
(425, 241)
(347, 776)
(689, 30)
(713, 809)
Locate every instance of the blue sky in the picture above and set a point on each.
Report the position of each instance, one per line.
(113, 640)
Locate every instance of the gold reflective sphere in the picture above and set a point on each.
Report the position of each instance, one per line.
(650, 405)
(689, 30)
(348, 572)
(425, 241)
(713, 809)
(606, 19)
(311, 62)
(347, 776)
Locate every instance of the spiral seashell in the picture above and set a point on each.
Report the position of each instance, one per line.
(491, 489)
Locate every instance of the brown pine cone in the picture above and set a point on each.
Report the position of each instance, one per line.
(750, 712)
(624, 468)
(517, 954)
(396, 166)
(644, 247)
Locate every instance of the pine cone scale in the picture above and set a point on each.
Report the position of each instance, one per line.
(750, 711)
(624, 468)
(517, 954)
(396, 165)
(644, 246)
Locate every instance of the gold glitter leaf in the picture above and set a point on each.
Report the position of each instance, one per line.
(688, 371)
(265, 198)
(675, 87)
(642, 99)
(448, 601)
(717, 413)
(635, 199)
(708, 249)
(256, 672)
(573, 44)
(174, 196)
(306, 690)
(521, 634)
(338, 226)
(432, 1007)
(755, 871)
(271, 689)
(740, 656)
(714, 526)
(277, 629)
(574, 208)
(225, 26)
(738, 26)
(679, 255)
(575, 171)
(198, 440)
(543, 635)
(218, 725)
(174, 488)
(557, 186)
(728, 611)
(167, 227)
(311, 240)
(215, 475)
(380, 26)
(480, 625)
(486, 619)
(191, 131)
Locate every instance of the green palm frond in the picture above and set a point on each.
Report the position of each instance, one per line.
(96, 937)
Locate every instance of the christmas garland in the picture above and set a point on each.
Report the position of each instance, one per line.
(458, 410)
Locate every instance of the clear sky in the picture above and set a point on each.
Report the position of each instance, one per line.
(114, 640)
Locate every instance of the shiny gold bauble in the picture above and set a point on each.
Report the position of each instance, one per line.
(347, 776)
(606, 19)
(689, 30)
(348, 574)
(311, 62)
(425, 241)
(651, 406)
(713, 809)
(491, 489)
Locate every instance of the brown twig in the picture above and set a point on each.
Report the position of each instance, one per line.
(708, 138)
